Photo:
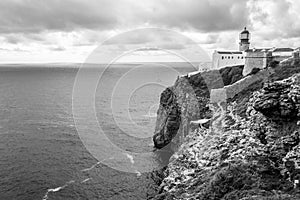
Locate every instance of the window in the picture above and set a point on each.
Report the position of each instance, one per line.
(232, 57)
(222, 57)
(238, 57)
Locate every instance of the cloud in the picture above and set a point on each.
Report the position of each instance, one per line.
(166, 46)
(204, 15)
(173, 46)
(148, 49)
(149, 39)
(13, 50)
(82, 23)
(32, 16)
(57, 48)
(4, 49)
(62, 26)
(275, 19)
(13, 39)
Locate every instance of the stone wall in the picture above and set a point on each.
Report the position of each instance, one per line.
(280, 58)
(256, 59)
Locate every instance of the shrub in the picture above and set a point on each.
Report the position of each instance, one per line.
(273, 64)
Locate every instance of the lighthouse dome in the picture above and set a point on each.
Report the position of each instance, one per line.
(245, 34)
(245, 31)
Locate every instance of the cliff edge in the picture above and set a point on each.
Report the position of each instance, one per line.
(248, 145)
(187, 100)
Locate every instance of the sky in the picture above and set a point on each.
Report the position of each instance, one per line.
(54, 31)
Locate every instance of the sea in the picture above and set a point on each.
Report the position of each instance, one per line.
(42, 154)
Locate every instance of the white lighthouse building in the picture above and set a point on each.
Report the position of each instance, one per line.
(232, 58)
(252, 58)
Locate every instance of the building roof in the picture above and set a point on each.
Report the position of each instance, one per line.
(258, 50)
(229, 52)
(297, 49)
(271, 49)
(286, 49)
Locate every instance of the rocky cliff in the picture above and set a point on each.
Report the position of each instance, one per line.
(248, 149)
(187, 100)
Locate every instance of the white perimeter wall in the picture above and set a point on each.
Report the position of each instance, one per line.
(223, 60)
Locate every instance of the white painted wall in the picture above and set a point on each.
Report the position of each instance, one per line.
(283, 54)
(223, 60)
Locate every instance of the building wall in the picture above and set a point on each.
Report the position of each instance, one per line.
(296, 54)
(223, 60)
(283, 54)
(256, 60)
(281, 58)
(244, 46)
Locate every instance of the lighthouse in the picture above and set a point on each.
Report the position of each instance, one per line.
(244, 40)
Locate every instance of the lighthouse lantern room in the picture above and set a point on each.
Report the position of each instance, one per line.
(244, 40)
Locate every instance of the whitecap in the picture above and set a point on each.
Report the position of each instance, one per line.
(150, 115)
(85, 180)
(130, 157)
(90, 168)
(57, 189)
(138, 173)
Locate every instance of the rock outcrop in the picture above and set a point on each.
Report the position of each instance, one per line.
(169, 119)
(280, 100)
(187, 100)
(254, 154)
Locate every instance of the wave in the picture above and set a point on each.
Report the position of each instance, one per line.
(57, 189)
(150, 115)
(92, 167)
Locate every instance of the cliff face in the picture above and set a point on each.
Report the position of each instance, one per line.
(252, 154)
(186, 101)
(168, 120)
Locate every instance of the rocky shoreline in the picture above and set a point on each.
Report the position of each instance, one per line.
(248, 148)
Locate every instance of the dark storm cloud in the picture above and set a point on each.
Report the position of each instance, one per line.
(62, 15)
(29, 16)
(204, 15)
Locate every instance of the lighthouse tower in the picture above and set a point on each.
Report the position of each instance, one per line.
(244, 40)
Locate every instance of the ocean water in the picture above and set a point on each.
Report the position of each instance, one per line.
(41, 153)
